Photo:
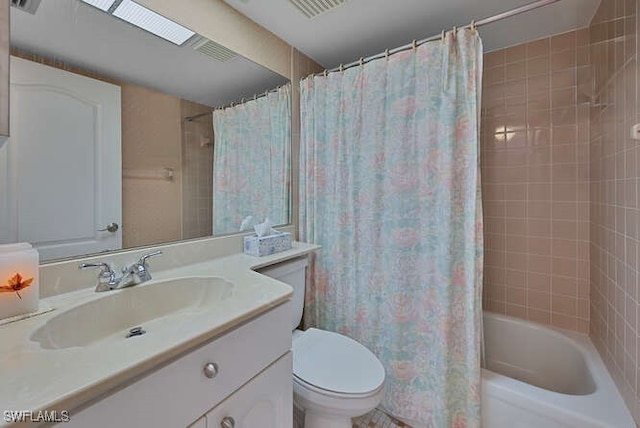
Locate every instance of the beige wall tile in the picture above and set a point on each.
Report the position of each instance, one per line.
(539, 316)
(563, 42)
(538, 66)
(569, 228)
(515, 53)
(538, 179)
(515, 70)
(614, 179)
(538, 48)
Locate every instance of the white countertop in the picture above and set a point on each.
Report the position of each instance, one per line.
(33, 378)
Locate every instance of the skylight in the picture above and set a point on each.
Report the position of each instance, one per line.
(103, 5)
(146, 19)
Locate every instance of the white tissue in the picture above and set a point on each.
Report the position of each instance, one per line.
(264, 229)
(248, 223)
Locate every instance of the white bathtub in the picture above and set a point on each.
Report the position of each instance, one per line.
(538, 377)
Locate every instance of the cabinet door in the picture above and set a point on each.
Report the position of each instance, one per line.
(180, 392)
(264, 402)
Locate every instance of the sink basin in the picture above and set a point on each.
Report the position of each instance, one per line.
(112, 316)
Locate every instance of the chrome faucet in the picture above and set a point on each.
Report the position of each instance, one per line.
(138, 272)
(135, 274)
(107, 278)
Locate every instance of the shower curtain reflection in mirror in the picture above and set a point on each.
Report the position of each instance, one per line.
(251, 161)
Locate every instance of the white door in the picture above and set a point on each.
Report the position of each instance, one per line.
(60, 172)
(264, 402)
(200, 423)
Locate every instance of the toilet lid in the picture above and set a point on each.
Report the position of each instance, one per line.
(334, 362)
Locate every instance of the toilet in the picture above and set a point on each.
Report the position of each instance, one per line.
(335, 378)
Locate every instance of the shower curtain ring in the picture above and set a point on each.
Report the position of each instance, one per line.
(473, 25)
(442, 36)
(361, 61)
(414, 44)
(386, 53)
(341, 68)
(326, 72)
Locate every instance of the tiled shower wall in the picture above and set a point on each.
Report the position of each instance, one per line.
(535, 180)
(615, 213)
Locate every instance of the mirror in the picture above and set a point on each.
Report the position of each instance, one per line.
(148, 166)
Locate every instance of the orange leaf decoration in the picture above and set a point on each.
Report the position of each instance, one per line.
(16, 284)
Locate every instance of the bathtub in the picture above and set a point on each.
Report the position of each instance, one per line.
(537, 376)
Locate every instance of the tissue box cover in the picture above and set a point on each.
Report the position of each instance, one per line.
(259, 246)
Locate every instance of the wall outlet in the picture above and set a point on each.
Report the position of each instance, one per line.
(635, 132)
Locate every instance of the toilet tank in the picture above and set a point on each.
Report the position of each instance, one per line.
(294, 273)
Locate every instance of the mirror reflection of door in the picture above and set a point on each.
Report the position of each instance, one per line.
(167, 93)
(63, 162)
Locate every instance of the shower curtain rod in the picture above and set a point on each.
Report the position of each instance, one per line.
(242, 101)
(196, 116)
(498, 17)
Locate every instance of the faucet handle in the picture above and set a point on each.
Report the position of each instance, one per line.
(145, 257)
(105, 269)
(140, 269)
(107, 278)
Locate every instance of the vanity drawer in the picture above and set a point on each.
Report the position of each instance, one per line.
(181, 392)
(264, 402)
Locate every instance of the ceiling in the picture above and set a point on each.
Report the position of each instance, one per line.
(360, 28)
(76, 33)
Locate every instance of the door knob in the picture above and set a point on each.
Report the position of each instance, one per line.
(227, 422)
(111, 227)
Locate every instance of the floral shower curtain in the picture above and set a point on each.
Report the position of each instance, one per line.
(390, 188)
(251, 161)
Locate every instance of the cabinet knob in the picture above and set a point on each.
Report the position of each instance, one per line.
(211, 371)
(227, 422)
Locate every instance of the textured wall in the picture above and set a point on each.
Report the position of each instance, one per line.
(151, 141)
(197, 171)
(535, 180)
(615, 214)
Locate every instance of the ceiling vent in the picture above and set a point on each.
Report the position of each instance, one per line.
(313, 8)
(213, 49)
(26, 5)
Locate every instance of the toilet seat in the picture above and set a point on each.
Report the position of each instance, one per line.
(333, 364)
(311, 389)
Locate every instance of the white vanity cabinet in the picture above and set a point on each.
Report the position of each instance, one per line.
(243, 375)
(264, 402)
